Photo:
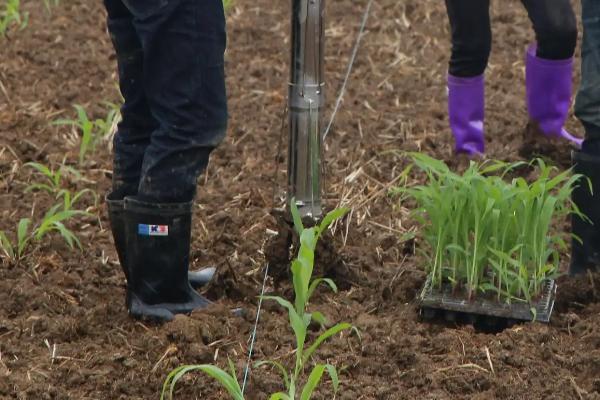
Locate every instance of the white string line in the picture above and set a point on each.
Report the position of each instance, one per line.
(253, 339)
(350, 67)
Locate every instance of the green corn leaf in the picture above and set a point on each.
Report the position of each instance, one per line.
(39, 186)
(279, 367)
(41, 168)
(296, 217)
(319, 318)
(315, 283)
(68, 235)
(331, 217)
(52, 217)
(299, 281)
(22, 235)
(534, 314)
(7, 246)
(279, 396)
(323, 337)
(227, 381)
(315, 378)
(333, 374)
(297, 323)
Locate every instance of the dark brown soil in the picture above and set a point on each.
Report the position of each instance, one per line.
(64, 330)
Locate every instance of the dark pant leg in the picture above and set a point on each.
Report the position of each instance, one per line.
(587, 105)
(555, 27)
(183, 43)
(137, 123)
(471, 36)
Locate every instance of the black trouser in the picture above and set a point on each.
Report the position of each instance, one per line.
(587, 106)
(554, 23)
(171, 69)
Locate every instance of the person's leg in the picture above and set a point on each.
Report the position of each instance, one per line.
(549, 66)
(183, 44)
(471, 46)
(585, 252)
(471, 37)
(137, 123)
(587, 104)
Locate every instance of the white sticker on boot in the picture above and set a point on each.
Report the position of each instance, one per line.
(153, 230)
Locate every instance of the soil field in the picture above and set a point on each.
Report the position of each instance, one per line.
(64, 330)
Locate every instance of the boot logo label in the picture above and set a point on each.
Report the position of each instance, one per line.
(153, 230)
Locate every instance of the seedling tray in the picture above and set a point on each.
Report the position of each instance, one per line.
(447, 305)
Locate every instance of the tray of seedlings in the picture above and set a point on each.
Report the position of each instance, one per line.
(491, 251)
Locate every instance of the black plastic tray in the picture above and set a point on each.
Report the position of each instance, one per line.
(435, 303)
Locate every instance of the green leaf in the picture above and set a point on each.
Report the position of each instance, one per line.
(279, 367)
(296, 217)
(44, 170)
(323, 337)
(331, 217)
(335, 380)
(315, 283)
(279, 396)
(227, 381)
(39, 186)
(7, 246)
(315, 377)
(22, 235)
(319, 318)
(297, 323)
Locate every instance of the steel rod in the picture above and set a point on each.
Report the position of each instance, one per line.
(306, 103)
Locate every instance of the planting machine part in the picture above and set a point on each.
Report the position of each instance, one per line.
(490, 314)
(306, 104)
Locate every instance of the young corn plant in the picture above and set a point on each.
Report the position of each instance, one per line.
(54, 220)
(91, 132)
(53, 184)
(14, 251)
(11, 15)
(486, 235)
(300, 318)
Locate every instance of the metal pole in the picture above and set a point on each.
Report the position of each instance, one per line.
(306, 103)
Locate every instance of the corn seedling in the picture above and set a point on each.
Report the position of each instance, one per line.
(53, 178)
(15, 251)
(53, 221)
(12, 15)
(91, 132)
(53, 184)
(300, 319)
(70, 199)
(487, 235)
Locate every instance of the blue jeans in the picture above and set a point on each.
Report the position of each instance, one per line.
(587, 105)
(170, 56)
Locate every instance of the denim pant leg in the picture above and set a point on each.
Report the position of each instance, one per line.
(587, 105)
(183, 43)
(137, 123)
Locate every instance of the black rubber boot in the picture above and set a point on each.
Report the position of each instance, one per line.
(116, 216)
(158, 248)
(585, 253)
